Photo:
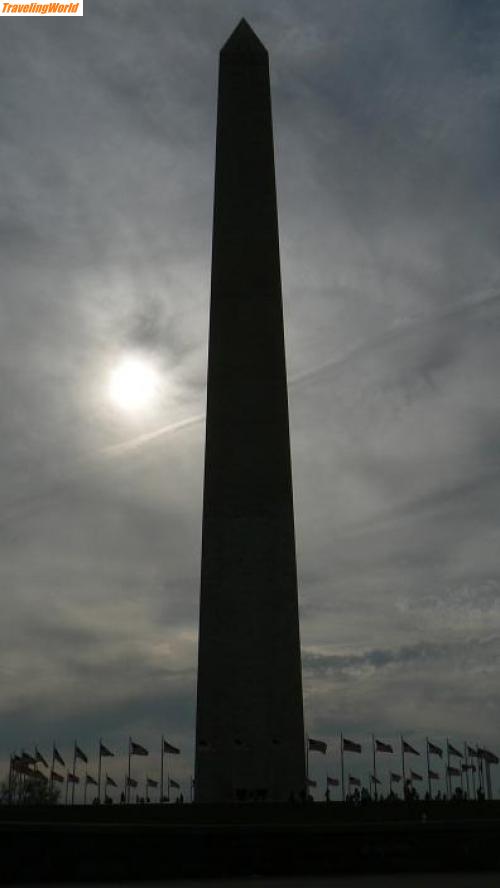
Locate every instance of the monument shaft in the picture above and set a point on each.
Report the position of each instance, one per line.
(250, 731)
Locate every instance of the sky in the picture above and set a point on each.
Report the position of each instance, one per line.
(386, 120)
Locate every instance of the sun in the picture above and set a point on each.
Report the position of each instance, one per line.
(134, 384)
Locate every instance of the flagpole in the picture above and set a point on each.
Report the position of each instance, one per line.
(466, 770)
(52, 768)
(428, 768)
(73, 782)
(128, 780)
(473, 780)
(161, 777)
(479, 768)
(307, 765)
(488, 779)
(85, 787)
(403, 766)
(342, 764)
(10, 780)
(374, 769)
(448, 778)
(99, 772)
(67, 784)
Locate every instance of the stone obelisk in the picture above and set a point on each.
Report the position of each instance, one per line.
(250, 727)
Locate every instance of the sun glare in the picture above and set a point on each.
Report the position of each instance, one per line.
(134, 384)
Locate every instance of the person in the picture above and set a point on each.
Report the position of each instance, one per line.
(327, 794)
(122, 798)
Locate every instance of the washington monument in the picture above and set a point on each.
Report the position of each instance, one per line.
(250, 725)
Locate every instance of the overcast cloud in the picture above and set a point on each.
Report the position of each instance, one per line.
(386, 117)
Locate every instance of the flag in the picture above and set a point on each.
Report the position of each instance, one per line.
(408, 748)
(21, 766)
(58, 758)
(174, 784)
(415, 776)
(434, 750)
(110, 781)
(172, 750)
(453, 772)
(471, 752)
(73, 778)
(79, 754)
(39, 757)
(317, 745)
(395, 778)
(433, 775)
(27, 758)
(468, 766)
(104, 751)
(152, 783)
(131, 782)
(374, 779)
(89, 779)
(332, 781)
(452, 750)
(354, 781)
(39, 775)
(383, 747)
(488, 756)
(204, 745)
(57, 777)
(137, 749)
(351, 746)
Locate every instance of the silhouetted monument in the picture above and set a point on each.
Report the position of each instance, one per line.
(250, 730)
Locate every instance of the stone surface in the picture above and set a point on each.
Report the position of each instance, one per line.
(250, 732)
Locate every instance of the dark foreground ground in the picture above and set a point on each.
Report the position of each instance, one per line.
(58, 844)
(401, 880)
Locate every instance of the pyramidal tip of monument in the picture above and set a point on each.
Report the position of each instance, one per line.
(243, 41)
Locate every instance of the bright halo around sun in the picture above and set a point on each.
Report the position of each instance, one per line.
(134, 385)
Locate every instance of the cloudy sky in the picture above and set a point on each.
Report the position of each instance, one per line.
(386, 117)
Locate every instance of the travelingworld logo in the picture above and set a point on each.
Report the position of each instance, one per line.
(30, 9)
